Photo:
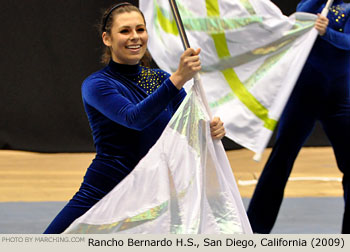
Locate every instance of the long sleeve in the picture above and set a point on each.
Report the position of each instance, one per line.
(312, 6)
(338, 30)
(110, 102)
(340, 40)
(178, 99)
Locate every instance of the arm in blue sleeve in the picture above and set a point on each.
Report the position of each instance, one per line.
(178, 99)
(339, 39)
(312, 6)
(121, 110)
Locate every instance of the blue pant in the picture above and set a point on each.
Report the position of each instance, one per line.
(316, 96)
(101, 177)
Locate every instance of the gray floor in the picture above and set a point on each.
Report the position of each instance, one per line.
(297, 216)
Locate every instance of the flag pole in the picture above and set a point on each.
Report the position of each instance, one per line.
(326, 8)
(179, 24)
(186, 45)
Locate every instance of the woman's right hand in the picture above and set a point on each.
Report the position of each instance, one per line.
(189, 65)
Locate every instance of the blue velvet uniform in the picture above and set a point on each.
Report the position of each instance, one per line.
(321, 93)
(128, 107)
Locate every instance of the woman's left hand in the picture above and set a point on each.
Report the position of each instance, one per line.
(321, 24)
(217, 128)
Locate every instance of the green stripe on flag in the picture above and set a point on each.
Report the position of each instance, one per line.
(167, 25)
(213, 23)
(231, 77)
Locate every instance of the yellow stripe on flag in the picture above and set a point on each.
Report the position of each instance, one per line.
(212, 8)
(248, 99)
(231, 77)
(169, 26)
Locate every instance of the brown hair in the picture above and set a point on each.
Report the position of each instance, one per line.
(106, 24)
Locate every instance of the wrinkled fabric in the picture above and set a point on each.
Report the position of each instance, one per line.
(251, 58)
(184, 185)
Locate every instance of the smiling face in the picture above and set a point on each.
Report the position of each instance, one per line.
(127, 39)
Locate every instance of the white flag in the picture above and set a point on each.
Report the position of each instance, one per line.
(184, 185)
(251, 58)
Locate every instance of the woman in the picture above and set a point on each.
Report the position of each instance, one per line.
(128, 106)
(321, 93)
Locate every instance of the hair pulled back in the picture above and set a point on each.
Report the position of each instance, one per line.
(106, 25)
